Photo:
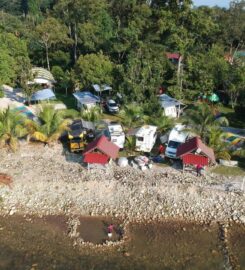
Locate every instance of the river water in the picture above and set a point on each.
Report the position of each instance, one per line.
(33, 243)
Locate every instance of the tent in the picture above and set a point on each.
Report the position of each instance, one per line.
(44, 94)
(213, 98)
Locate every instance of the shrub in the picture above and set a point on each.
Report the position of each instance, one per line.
(1, 92)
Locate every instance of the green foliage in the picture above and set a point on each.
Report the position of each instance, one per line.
(50, 32)
(94, 69)
(124, 44)
(1, 92)
(12, 127)
(215, 141)
(13, 58)
(200, 120)
(163, 123)
(130, 144)
(93, 114)
(50, 127)
(132, 115)
(143, 73)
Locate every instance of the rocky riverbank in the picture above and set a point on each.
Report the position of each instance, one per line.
(52, 181)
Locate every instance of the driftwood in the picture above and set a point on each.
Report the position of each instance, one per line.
(6, 180)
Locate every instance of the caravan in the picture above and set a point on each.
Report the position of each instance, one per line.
(145, 138)
(114, 132)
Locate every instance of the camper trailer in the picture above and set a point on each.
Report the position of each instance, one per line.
(115, 134)
(177, 136)
(145, 138)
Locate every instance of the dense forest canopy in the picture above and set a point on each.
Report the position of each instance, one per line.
(125, 44)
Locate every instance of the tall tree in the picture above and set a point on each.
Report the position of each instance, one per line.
(51, 32)
(94, 69)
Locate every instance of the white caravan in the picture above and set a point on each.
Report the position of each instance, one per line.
(176, 137)
(145, 138)
(115, 134)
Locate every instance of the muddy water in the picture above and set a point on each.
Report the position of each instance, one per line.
(35, 243)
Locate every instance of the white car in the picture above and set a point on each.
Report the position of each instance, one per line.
(111, 106)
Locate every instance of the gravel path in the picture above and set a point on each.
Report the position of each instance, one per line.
(53, 181)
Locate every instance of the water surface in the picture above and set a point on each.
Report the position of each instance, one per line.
(38, 243)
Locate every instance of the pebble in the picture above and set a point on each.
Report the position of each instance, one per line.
(51, 185)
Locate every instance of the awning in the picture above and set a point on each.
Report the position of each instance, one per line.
(43, 95)
(86, 98)
(104, 87)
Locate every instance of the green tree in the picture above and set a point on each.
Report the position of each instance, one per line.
(13, 57)
(143, 73)
(12, 127)
(216, 142)
(200, 120)
(94, 69)
(7, 73)
(163, 123)
(51, 32)
(236, 83)
(50, 127)
(93, 114)
(132, 115)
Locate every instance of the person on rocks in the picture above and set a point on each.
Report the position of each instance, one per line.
(110, 229)
(161, 149)
(198, 169)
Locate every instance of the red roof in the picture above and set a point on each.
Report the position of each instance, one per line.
(95, 158)
(195, 145)
(173, 55)
(103, 145)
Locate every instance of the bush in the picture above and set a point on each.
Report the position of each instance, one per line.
(1, 92)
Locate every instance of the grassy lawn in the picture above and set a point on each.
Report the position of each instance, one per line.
(111, 117)
(68, 100)
(229, 171)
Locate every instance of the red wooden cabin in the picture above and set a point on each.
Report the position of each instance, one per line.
(195, 152)
(100, 151)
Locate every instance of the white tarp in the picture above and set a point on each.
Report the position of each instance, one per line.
(104, 87)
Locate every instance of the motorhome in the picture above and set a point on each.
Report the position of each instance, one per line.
(115, 133)
(145, 138)
(177, 136)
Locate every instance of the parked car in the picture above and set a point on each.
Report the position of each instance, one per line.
(112, 106)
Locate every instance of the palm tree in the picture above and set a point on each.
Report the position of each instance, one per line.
(132, 115)
(130, 144)
(50, 126)
(163, 123)
(12, 127)
(216, 142)
(93, 114)
(199, 120)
